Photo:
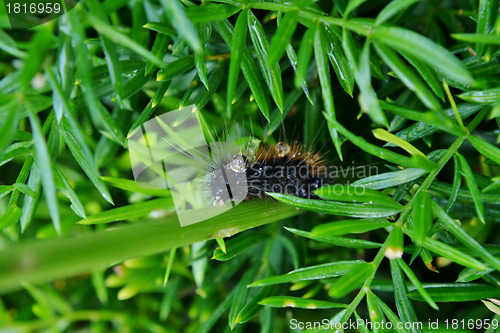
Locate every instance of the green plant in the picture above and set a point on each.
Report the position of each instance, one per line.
(82, 246)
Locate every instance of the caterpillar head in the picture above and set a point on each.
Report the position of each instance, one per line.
(229, 181)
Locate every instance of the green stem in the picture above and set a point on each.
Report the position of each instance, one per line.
(312, 16)
(442, 162)
(362, 292)
(59, 257)
(90, 315)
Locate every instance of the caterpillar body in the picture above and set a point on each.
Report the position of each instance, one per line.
(274, 169)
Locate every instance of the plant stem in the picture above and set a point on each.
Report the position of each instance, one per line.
(59, 257)
(442, 162)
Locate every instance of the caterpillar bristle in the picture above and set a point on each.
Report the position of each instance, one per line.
(294, 153)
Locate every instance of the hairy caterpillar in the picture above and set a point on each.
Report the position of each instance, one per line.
(273, 169)
(177, 151)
